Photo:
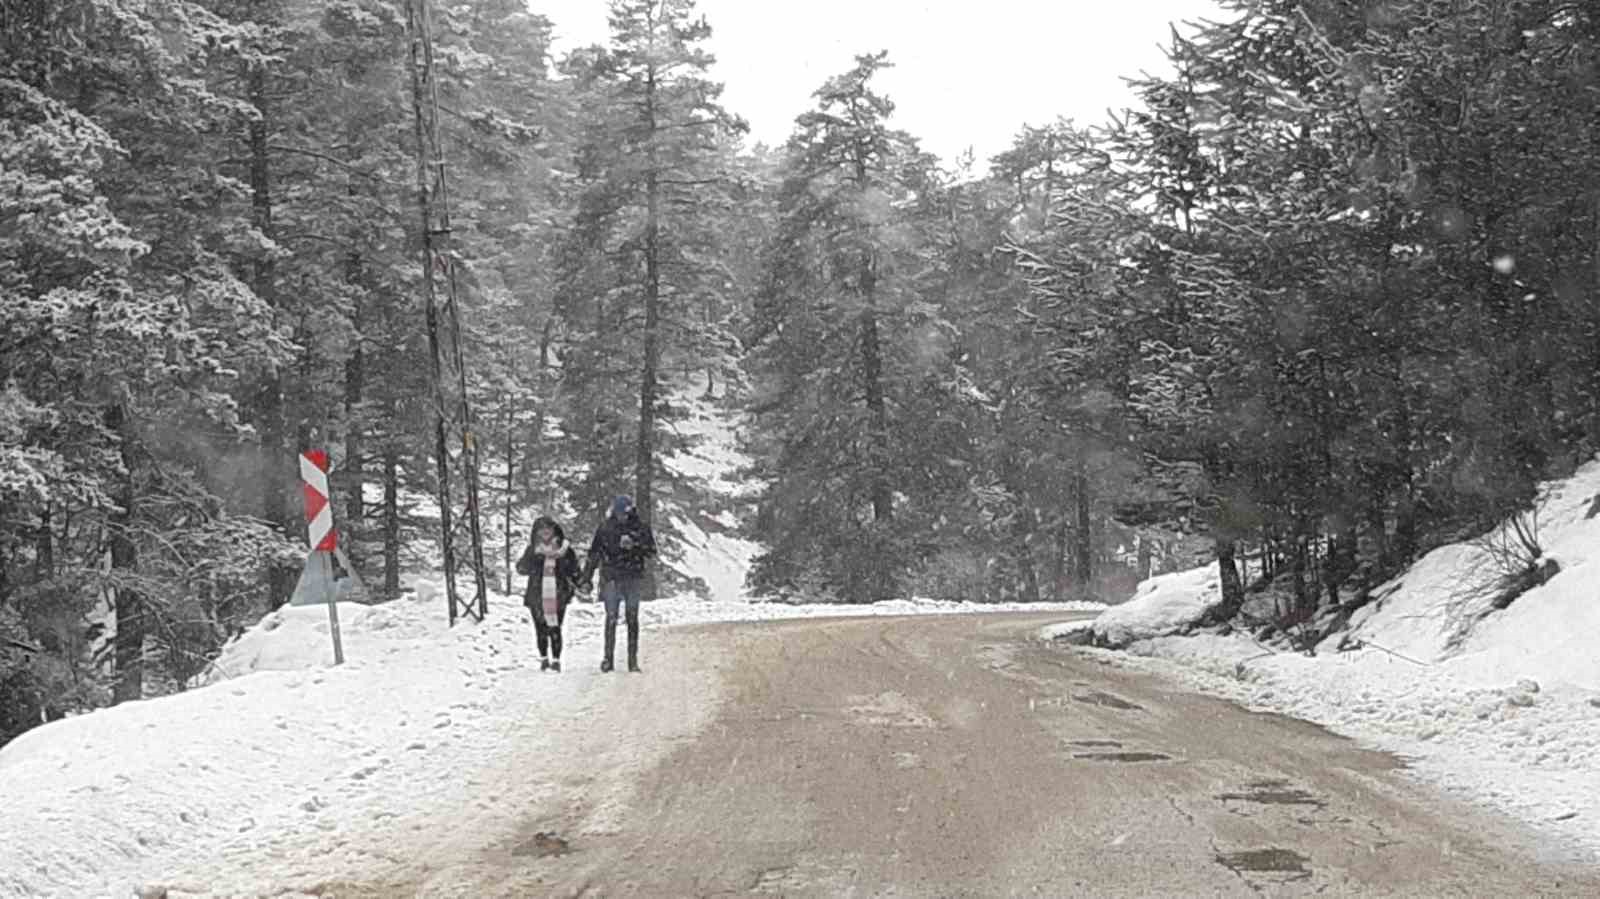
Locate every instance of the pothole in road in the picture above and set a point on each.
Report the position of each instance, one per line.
(1096, 697)
(887, 710)
(1123, 756)
(806, 877)
(541, 845)
(1271, 860)
(1274, 792)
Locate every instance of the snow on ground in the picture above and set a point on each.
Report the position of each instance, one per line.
(1551, 633)
(1162, 605)
(1506, 714)
(284, 758)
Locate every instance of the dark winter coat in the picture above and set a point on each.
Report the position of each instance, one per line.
(606, 548)
(531, 564)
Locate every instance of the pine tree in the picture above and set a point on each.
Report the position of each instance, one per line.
(646, 257)
(852, 360)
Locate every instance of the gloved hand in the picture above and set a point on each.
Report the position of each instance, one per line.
(627, 542)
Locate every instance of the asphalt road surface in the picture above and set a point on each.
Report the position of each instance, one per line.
(959, 756)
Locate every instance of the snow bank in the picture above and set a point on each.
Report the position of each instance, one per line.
(692, 611)
(1551, 633)
(1520, 748)
(99, 803)
(1502, 708)
(1162, 605)
(1071, 631)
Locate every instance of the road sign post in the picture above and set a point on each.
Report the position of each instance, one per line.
(316, 581)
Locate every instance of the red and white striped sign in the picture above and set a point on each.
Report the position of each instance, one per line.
(319, 514)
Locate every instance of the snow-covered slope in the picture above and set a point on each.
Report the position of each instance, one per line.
(1551, 633)
(288, 752)
(712, 550)
(1502, 707)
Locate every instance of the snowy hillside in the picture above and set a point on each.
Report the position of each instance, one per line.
(712, 551)
(1551, 633)
(1500, 706)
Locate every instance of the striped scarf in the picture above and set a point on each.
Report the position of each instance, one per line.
(548, 590)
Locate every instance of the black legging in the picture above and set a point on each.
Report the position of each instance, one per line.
(546, 635)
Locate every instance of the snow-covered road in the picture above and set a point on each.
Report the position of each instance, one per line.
(941, 756)
(287, 771)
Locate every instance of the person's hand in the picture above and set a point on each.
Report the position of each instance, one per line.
(627, 542)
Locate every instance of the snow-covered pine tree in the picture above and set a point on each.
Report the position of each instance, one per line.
(644, 266)
(852, 359)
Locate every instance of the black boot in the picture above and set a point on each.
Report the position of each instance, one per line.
(633, 643)
(555, 665)
(611, 643)
(544, 664)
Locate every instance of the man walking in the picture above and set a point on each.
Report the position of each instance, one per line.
(621, 545)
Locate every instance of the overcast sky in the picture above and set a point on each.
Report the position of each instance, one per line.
(966, 74)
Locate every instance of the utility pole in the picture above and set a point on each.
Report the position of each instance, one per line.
(453, 421)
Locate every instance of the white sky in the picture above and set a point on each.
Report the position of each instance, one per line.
(966, 74)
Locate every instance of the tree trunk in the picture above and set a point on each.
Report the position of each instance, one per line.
(1084, 536)
(872, 370)
(128, 654)
(275, 464)
(1405, 529)
(1024, 559)
(353, 471)
(1594, 392)
(644, 457)
(538, 486)
(1232, 588)
(872, 382)
(1303, 592)
(1058, 568)
(1341, 563)
(44, 547)
(355, 385)
(1377, 523)
(391, 523)
(511, 491)
(1023, 526)
(1144, 556)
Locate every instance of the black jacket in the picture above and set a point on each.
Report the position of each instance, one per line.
(532, 565)
(606, 548)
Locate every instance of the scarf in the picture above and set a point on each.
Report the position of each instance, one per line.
(548, 590)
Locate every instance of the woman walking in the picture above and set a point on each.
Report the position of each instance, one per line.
(553, 572)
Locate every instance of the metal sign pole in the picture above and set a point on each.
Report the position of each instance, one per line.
(333, 608)
(316, 582)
